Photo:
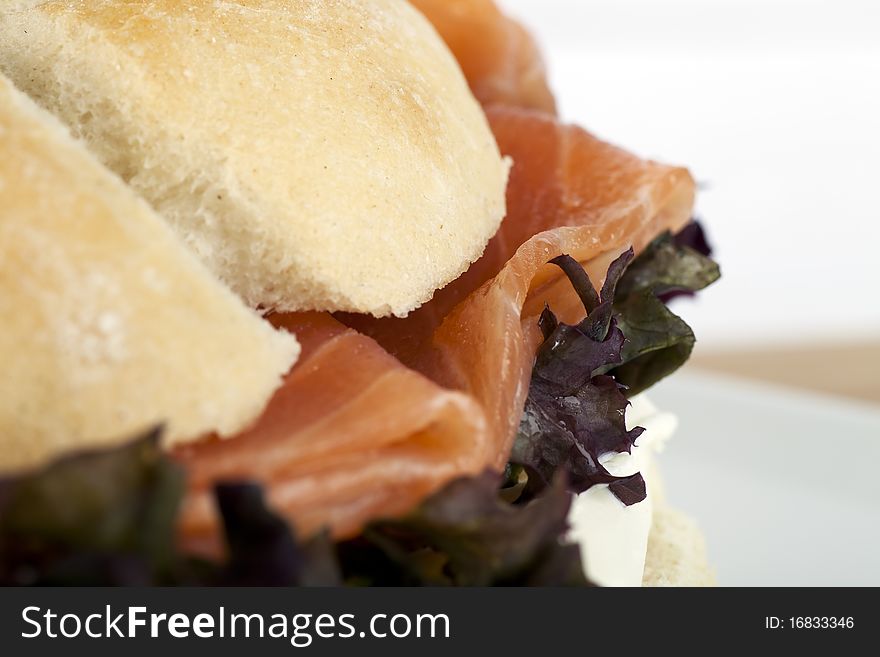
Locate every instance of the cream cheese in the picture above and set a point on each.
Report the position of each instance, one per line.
(613, 537)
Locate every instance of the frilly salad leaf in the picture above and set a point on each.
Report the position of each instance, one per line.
(693, 237)
(108, 517)
(583, 374)
(466, 535)
(658, 341)
(575, 413)
(103, 517)
(263, 550)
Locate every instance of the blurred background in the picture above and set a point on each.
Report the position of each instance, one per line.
(774, 105)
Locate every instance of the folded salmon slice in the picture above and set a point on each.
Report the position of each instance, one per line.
(371, 421)
(498, 56)
(351, 434)
(563, 177)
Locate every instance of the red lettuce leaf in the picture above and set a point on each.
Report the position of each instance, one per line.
(467, 535)
(692, 236)
(263, 550)
(108, 518)
(102, 517)
(583, 374)
(575, 413)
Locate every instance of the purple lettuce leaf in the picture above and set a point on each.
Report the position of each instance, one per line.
(108, 517)
(262, 547)
(575, 413)
(694, 237)
(467, 535)
(584, 374)
(100, 517)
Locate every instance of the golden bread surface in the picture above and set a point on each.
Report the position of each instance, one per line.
(110, 325)
(315, 154)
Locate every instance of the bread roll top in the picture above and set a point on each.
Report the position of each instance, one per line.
(110, 325)
(315, 154)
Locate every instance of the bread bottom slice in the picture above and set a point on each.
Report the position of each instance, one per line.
(676, 554)
(676, 551)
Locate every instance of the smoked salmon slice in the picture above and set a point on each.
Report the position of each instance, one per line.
(499, 58)
(351, 434)
(569, 192)
(562, 177)
(372, 420)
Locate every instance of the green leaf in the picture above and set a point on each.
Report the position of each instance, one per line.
(104, 517)
(466, 535)
(658, 342)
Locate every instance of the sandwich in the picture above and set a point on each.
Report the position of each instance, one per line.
(328, 294)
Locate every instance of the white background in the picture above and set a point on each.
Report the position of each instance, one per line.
(775, 107)
(782, 483)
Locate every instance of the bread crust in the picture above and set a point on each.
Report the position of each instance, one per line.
(676, 551)
(315, 154)
(110, 325)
